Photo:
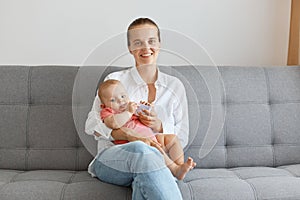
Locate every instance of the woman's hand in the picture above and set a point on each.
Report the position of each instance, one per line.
(149, 118)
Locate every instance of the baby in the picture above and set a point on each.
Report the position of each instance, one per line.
(117, 112)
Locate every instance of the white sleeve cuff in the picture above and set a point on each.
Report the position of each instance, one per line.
(168, 128)
(103, 130)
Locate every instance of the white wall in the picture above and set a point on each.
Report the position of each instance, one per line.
(234, 32)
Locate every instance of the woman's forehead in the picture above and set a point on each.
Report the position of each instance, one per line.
(143, 33)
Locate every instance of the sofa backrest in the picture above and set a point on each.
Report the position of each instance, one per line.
(36, 123)
(249, 115)
(260, 105)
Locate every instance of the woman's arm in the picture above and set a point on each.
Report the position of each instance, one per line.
(172, 112)
(130, 135)
(180, 114)
(94, 125)
(182, 123)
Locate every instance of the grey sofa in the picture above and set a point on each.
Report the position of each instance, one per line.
(256, 155)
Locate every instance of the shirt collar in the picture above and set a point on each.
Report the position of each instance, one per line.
(136, 76)
(161, 77)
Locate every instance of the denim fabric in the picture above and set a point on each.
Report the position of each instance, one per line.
(140, 166)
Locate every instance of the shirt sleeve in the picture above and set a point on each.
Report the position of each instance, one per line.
(94, 123)
(180, 116)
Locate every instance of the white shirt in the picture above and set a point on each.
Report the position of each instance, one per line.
(170, 104)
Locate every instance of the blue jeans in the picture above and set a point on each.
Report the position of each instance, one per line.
(140, 166)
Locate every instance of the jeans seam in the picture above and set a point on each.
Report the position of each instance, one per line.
(144, 193)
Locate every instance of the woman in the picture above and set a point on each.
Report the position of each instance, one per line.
(137, 163)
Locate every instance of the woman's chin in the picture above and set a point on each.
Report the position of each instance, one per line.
(146, 64)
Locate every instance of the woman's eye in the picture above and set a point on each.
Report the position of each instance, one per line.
(137, 43)
(152, 41)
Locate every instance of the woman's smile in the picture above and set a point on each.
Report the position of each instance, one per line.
(146, 55)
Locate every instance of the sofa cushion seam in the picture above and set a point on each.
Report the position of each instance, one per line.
(191, 190)
(27, 119)
(290, 172)
(62, 195)
(280, 198)
(271, 116)
(225, 137)
(12, 180)
(253, 189)
(251, 186)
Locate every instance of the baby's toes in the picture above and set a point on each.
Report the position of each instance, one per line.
(190, 161)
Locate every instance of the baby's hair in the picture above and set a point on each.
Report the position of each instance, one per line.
(105, 85)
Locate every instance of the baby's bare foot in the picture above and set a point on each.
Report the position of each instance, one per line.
(184, 168)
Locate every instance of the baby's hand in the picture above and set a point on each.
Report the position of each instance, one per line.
(132, 106)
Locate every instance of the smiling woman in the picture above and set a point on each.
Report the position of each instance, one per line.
(140, 163)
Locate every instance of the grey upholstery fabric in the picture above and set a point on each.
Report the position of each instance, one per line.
(261, 123)
(56, 184)
(256, 156)
(36, 126)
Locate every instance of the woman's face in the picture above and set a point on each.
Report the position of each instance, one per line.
(144, 44)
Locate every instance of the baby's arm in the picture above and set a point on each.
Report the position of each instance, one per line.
(116, 121)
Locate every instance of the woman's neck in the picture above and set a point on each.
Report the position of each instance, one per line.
(148, 73)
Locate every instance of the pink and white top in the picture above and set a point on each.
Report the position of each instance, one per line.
(133, 123)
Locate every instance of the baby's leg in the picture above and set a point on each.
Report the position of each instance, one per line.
(171, 145)
(179, 170)
(173, 148)
(175, 162)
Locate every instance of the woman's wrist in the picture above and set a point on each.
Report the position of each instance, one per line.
(118, 134)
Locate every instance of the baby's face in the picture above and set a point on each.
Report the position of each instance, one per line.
(116, 98)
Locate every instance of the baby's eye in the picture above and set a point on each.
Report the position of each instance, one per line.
(123, 96)
(112, 100)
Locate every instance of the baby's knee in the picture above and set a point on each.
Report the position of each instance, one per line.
(170, 138)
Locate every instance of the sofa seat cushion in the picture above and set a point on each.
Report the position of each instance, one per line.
(56, 185)
(253, 183)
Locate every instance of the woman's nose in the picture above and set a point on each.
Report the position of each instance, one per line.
(145, 45)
